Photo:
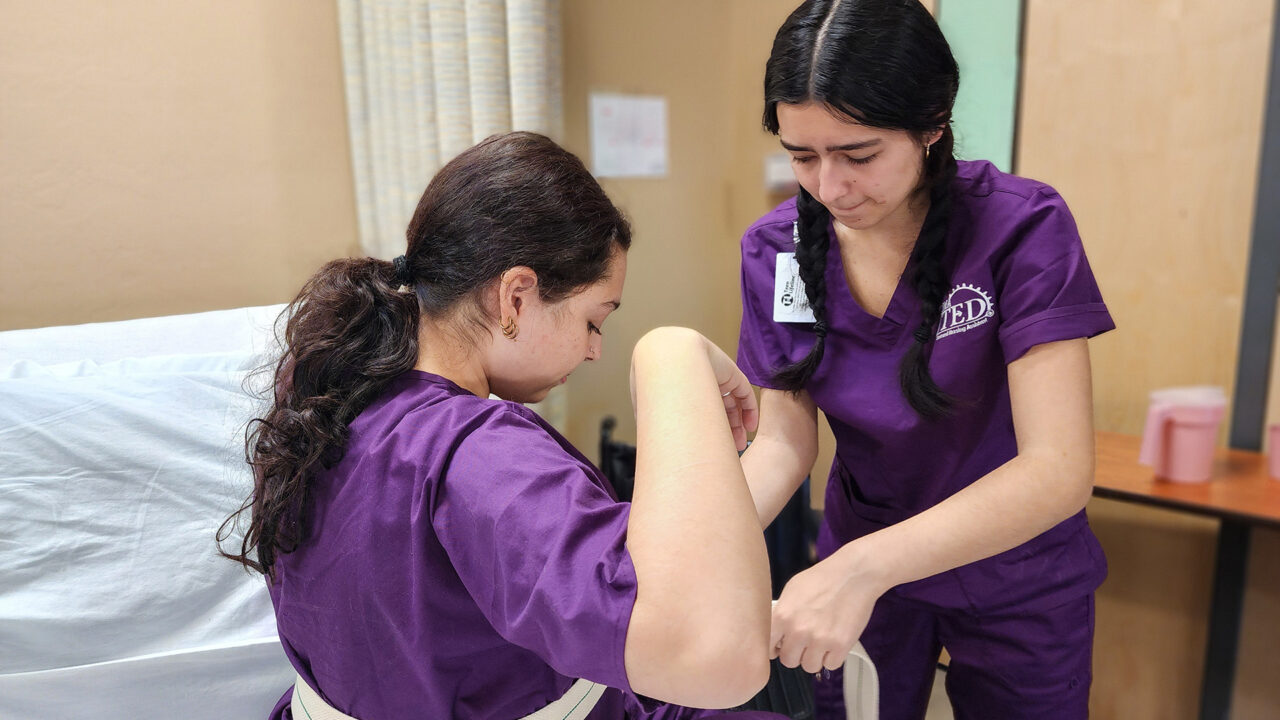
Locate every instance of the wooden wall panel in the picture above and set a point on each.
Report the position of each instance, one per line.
(1147, 115)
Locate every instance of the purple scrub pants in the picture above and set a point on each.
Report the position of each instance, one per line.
(1006, 666)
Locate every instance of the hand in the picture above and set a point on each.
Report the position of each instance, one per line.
(822, 613)
(740, 404)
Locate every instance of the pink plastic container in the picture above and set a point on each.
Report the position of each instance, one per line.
(1182, 432)
(1273, 451)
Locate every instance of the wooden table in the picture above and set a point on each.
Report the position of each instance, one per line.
(1241, 495)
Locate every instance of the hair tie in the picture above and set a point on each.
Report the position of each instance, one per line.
(403, 276)
(922, 335)
(820, 328)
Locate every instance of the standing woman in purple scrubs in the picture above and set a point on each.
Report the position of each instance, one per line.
(434, 553)
(938, 313)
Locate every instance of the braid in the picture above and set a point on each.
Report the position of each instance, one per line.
(811, 256)
(931, 284)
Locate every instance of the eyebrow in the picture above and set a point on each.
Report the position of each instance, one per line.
(834, 148)
(614, 303)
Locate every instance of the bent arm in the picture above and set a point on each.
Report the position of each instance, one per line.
(1049, 480)
(783, 452)
(699, 630)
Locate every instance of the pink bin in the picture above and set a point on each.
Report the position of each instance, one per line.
(1181, 434)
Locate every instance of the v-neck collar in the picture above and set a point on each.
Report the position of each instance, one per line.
(902, 305)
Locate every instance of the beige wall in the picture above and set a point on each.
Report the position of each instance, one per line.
(167, 157)
(683, 265)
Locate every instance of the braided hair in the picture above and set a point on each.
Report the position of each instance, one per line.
(883, 64)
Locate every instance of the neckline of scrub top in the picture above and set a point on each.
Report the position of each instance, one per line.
(901, 304)
(434, 379)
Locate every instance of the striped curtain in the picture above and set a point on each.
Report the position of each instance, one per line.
(426, 79)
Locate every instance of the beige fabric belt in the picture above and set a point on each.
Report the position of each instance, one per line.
(861, 686)
(581, 697)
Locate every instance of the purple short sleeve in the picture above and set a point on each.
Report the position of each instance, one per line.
(763, 344)
(1046, 289)
(540, 547)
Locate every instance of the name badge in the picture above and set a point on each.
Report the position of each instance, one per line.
(790, 303)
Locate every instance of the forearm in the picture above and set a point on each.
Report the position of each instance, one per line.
(783, 452)
(1002, 510)
(693, 535)
(774, 469)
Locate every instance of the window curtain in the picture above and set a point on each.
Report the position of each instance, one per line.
(426, 79)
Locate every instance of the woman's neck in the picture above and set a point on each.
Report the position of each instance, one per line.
(442, 352)
(893, 236)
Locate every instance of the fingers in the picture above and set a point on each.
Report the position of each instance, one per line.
(792, 651)
(812, 660)
(812, 657)
(740, 407)
(834, 661)
(775, 635)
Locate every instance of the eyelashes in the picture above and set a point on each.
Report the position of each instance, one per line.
(855, 160)
(591, 328)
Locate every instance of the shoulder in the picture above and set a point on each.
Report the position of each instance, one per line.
(426, 419)
(772, 233)
(506, 438)
(996, 213)
(982, 188)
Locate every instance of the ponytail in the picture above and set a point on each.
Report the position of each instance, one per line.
(511, 200)
(811, 256)
(350, 331)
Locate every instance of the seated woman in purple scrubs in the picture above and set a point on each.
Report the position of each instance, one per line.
(938, 313)
(434, 553)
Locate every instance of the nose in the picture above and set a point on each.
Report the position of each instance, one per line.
(595, 347)
(833, 182)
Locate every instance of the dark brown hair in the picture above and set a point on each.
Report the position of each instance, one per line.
(512, 200)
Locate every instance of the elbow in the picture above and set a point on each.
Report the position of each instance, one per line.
(1073, 480)
(741, 669)
(1083, 492)
(712, 666)
(724, 674)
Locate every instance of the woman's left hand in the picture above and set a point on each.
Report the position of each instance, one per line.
(823, 611)
(740, 405)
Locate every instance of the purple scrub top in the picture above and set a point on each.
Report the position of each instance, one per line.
(464, 561)
(1019, 278)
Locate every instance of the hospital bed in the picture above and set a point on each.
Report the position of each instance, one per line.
(120, 454)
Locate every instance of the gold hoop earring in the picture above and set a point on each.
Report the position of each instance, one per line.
(509, 328)
(926, 152)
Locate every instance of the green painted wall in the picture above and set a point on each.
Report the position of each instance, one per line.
(984, 39)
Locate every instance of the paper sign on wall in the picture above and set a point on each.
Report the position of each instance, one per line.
(628, 135)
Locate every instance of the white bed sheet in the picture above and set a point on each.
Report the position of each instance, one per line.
(115, 471)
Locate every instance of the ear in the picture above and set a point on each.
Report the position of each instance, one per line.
(517, 287)
(933, 136)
